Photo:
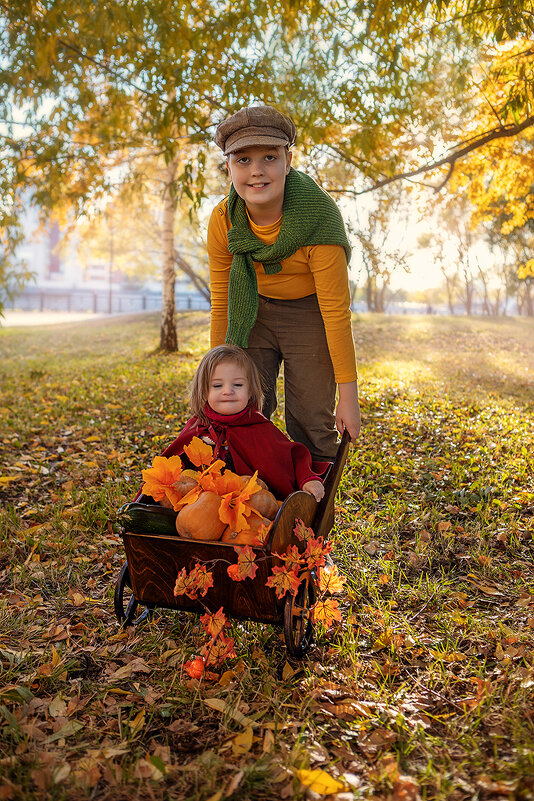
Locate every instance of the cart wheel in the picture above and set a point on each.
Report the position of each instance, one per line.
(125, 602)
(298, 626)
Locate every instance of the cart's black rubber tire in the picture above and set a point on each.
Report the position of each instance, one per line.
(298, 625)
(126, 608)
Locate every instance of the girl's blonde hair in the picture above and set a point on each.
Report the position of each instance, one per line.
(200, 384)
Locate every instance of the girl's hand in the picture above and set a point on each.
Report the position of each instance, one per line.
(348, 410)
(314, 488)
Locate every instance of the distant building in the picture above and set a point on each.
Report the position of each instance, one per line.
(63, 281)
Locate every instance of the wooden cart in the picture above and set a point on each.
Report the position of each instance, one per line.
(155, 555)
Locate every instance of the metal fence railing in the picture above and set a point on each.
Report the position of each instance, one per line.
(100, 301)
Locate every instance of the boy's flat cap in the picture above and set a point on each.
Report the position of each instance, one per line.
(255, 125)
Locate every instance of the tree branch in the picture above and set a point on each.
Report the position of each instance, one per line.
(196, 279)
(475, 143)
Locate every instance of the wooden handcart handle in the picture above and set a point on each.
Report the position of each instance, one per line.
(324, 517)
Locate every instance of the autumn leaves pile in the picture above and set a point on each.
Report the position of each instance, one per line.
(215, 504)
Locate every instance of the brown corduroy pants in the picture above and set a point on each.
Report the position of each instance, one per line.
(292, 332)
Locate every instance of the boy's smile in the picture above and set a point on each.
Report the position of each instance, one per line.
(259, 175)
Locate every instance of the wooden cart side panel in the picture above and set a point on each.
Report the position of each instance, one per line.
(298, 505)
(156, 560)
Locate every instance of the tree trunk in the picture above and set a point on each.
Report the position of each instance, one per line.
(528, 298)
(369, 294)
(168, 336)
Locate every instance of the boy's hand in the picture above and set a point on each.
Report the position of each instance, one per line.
(314, 488)
(348, 410)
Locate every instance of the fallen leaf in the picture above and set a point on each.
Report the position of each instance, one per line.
(242, 742)
(319, 781)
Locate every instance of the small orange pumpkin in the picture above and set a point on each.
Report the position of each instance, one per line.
(265, 503)
(200, 520)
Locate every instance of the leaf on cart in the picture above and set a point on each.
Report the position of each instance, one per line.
(302, 532)
(234, 512)
(199, 453)
(196, 582)
(234, 509)
(283, 580)
(291, 558)
(190, 497)
(315, 552)
(214, 623)
(222, 483)
(326, 612)
(245, 566)
(161, 476)
(330, 581)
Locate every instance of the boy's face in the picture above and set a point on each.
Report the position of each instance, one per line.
(259, 175)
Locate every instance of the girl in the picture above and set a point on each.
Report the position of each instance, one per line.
(225, 396)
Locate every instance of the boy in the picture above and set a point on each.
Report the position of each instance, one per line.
(278, 256)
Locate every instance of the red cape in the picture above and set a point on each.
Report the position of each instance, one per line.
(255, 444)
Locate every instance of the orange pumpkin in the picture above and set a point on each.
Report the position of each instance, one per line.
(184, 484)
(265, 503)
(200, 520)
(256, 532)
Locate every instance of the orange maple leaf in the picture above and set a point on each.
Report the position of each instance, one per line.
(302, 532)
(203, 578)
(283, 580)
(185, 584)
(315, 552)
(213, 480)
(219, 649)
(234, 509)
(263, 531)
(291, 558)
(199, 452)
(197, 581)
(326, 612)
(214, 623)
(161, 476)
(189, 497)
(330, 581)
(245, 566)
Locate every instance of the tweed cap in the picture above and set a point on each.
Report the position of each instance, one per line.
(255, 125)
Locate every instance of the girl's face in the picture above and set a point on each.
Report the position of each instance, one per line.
(228, 391)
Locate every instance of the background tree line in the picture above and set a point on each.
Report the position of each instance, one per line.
(109, 109)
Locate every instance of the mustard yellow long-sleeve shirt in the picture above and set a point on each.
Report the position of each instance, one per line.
(320, 269)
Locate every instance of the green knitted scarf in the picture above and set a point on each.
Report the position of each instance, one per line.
(309, 217)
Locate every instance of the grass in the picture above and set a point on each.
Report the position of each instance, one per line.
(423, 690)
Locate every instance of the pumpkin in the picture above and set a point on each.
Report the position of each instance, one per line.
(200, 520)
(257, 531)
(265, 503)
(184, 484)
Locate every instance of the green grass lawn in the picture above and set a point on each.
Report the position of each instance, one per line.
(424, 690)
